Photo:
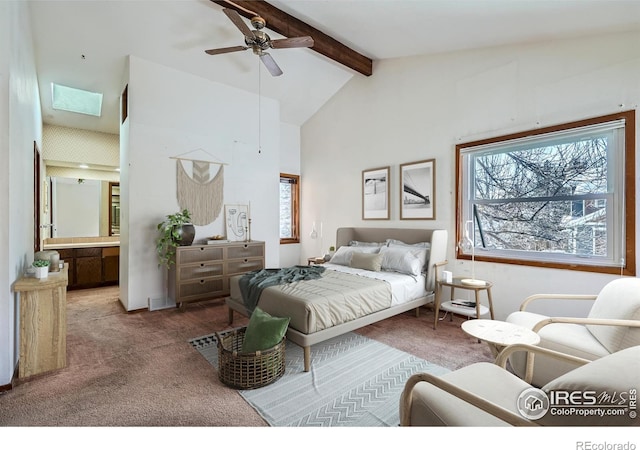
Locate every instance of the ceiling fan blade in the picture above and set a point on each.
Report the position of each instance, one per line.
(270, 64)
(238, 22)
(296, 42)
(217, 51)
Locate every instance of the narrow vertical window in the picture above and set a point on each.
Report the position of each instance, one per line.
(289, 208)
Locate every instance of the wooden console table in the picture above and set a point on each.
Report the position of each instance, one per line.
(43, 323)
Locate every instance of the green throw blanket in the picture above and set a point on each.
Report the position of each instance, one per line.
(252, 283)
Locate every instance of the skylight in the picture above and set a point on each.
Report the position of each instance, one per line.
(76, 100)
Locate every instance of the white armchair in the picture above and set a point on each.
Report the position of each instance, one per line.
(613, 324)
(485, 394)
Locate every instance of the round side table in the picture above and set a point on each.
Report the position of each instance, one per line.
(498, 335)
(459, 306)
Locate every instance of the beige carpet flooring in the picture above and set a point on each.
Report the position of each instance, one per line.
(137, 369)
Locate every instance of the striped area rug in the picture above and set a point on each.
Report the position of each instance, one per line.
(354, 381)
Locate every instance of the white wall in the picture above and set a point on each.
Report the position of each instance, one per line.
(289, 163)
(419, 108)
(20, 126)
(172, 113)
(125, 248)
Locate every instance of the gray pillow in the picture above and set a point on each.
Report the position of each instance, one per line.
(367, 261)
(397, 243)
(344, 253)
(366, 244)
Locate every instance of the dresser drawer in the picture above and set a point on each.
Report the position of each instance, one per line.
(244, 265)
(196, 254)
(245, 251)
(202, 288)
(202, 270)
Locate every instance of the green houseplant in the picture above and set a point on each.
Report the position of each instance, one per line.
(40, 263)
(175, 230)
(42, 268)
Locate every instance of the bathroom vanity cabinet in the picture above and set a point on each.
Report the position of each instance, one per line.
(91, 267)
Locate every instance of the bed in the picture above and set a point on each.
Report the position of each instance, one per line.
(349, 295)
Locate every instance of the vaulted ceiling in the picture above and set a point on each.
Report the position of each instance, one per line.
(85, 44)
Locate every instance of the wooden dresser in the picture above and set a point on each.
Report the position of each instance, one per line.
(202, 272)
(43, 323)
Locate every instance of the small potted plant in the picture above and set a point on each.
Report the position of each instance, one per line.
(175, 230)
(328, 256)
(42, 268)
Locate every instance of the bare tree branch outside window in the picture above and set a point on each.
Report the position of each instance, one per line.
(544, 199)
(561, 196)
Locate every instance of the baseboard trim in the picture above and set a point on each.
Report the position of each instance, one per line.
(14, 377)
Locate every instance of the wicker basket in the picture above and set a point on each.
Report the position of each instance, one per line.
(247, 370)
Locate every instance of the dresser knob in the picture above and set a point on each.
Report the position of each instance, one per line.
(201, 264)
(246, 245)
(201, 281)
(246, 260)
(201, 249)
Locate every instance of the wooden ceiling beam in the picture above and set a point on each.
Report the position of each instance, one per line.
(288, 26)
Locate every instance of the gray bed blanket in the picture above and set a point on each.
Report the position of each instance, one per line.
(252, 283)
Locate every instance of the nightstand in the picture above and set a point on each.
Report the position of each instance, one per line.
(470, 309)
(315, 260)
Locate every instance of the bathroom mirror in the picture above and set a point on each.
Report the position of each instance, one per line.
(84, 208)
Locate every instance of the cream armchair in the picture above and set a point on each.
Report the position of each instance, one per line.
(613, 324)
(486, 394)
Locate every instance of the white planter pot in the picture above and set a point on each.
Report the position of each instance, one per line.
(42, 272)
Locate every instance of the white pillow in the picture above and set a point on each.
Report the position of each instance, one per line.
(403, 259)
(343, 255)
(423, 249)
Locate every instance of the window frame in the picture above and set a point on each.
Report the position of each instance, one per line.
(295, 207)
(628, 202)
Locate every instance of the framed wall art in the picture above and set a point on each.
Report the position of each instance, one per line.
(375, 194)
(237, 224)
(418, 190)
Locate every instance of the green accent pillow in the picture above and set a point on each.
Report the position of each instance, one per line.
(263, 331)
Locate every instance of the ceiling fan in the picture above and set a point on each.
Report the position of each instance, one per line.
(259, 41)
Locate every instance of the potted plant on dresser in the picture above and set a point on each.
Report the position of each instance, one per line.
(176, 230)
(42, 268)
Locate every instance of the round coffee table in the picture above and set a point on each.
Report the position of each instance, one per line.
(498, 335)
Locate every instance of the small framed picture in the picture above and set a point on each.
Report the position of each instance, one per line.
(237, 222)
(375, 194)
(418, 190)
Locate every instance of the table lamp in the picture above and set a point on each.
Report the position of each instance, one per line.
(466, 244)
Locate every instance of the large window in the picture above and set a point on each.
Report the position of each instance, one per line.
(289, 208)
(561, 196)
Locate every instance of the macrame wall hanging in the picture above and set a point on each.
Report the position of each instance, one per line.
(201, 194)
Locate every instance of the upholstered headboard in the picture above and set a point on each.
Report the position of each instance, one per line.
(437, 238)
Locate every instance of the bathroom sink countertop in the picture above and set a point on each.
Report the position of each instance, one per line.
(81, 245)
